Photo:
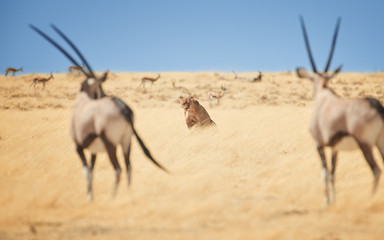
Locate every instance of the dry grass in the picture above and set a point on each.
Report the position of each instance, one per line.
(256, 176)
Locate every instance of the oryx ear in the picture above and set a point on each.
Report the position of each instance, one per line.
(104, 77)
(334, 73)
(338, 69)
(302, 73)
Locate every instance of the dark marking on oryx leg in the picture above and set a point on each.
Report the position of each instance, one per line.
(88, 140)
(337, 138)
(111, 149)
(128, 163)
(333, 169)
(80, 151)
(325, 173)
(367, 151)
(381, 150)
(90, 177)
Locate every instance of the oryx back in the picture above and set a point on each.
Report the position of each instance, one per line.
(92, 118)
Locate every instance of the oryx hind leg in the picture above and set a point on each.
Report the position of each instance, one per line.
(332, 180)
(126, 146)
(127, 152)
(80, 151)
(90, 177)
(380, 145)
(367, 151)
(326, 176)
(111, 149)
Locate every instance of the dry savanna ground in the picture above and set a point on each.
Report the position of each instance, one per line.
(256, 176)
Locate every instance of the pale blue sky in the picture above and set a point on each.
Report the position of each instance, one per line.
(198, 35)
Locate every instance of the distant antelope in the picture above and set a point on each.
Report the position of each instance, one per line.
(195, 114)
(99, 123)
(149, 79)
(238, 77)
(75, 68)
(217, 95)
(41, 80)
(336, 121)
(13, 70)
(256, 79)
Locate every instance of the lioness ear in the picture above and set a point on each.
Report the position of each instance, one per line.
(182, 99)
(194, 100)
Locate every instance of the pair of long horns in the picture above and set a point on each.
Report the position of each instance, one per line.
(309, 49)
(90, 73)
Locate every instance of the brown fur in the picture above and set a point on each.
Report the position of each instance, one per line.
(75, 68)
(13, 70)
(258, 78)
(41, 80)
(149, 79)
(195, 114)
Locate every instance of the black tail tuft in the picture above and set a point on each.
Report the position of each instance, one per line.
(128, 114)
(146, 151)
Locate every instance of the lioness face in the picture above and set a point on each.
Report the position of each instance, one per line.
(185, 103)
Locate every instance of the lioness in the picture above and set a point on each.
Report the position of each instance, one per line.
(195, 114)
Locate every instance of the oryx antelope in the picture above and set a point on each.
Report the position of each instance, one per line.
(217, 95)
(99, 123)
(336, 121)
(42, 80)
(13, 70)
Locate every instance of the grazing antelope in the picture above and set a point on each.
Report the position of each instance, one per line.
(13, 70)
(195, 114)
(217, 95)
(75, 68)
(336, 121)
(149, 79)
(256, 79)
(41, 80)
(99, 123)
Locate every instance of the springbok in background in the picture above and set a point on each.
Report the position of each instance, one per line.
(13, 70)
(217, 95)
(336, 121)
(256, 79)
(75, 68)
(99, 123)
(42, 80)
(149, 79)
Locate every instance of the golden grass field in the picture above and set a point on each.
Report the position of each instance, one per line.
(256, 176)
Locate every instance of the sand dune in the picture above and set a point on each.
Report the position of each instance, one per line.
(256, 176)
